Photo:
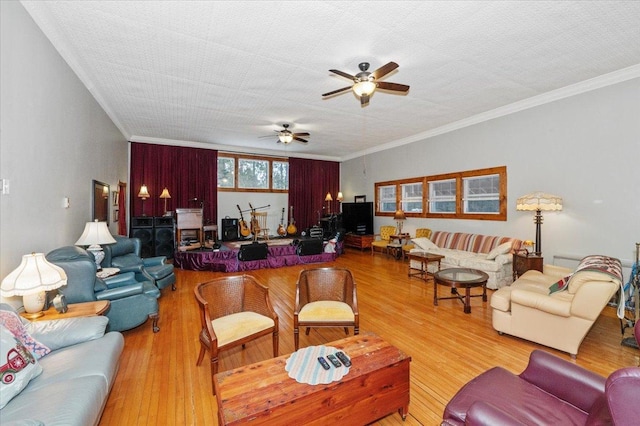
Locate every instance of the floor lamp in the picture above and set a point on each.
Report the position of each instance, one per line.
(539, 201)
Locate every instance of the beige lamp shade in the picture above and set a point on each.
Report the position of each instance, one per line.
(165, 193)
(35, 274)
(328, 197)
(95, 233)
(144, 192)
(539, 201)
(340, 197)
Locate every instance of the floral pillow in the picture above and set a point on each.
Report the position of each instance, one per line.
(17, 366)
(11, 321)
(503, 248)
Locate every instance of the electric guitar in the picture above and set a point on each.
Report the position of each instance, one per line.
(244, 230)
(255, 226)
(291, 228)
(281, 230)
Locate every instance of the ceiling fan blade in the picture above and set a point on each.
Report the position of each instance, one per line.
(300, 139)
(343, 74)
(305, 134)
(393, 86)
(384, 70)
(344, 89)
(364, 100)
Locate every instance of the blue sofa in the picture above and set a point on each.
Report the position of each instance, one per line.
(132, 301)
(77, 375)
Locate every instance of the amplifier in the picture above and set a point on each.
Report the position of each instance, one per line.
(253, 251)
(310, 246)
(229, 229)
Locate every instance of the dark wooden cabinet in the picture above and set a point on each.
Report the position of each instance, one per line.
(523, 262)
(358, 241)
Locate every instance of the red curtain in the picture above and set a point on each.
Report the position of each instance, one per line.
(309, 182)
(122, 205)
(190, 175)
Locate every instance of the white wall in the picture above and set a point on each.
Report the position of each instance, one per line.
(54, 140)
(585, 148)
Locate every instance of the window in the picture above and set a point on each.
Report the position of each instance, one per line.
(442, 196)
(411, 197)
(226, 172)
(482, 194)
(238, 172)
(280, 175)
(386, 199)
(474, 194)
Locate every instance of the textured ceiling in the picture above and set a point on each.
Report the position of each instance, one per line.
(223, 74)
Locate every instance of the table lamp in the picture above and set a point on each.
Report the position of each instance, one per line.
(95, 233)
(328, 199)
(143, 195)
(165, 194)
(538, 201)
(31, 280)
(399, 217)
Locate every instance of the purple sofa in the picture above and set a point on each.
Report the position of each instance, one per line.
(550, 390)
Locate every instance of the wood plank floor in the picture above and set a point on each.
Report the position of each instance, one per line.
(159, 383)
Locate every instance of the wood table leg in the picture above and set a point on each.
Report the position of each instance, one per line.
(467, 300)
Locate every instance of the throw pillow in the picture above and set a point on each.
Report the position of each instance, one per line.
(560, 285)
(18, 367)
(503, 248)
(58, 334)
(424, 243)
(11, 321)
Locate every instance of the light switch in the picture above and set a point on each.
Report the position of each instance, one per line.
(65, 203)
(5, 186)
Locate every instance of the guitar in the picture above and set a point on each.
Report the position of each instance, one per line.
(281, 230)
(244, 230)
(255, 226)
(291, 228)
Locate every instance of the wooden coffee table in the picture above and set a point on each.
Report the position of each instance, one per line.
(460, 278)
(263, 393)
(424, 259)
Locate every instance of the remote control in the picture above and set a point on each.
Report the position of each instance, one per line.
(334, 360)
(345, 360)
(323, 363)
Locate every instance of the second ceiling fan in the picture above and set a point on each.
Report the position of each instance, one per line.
(286, 136)
(365, 82)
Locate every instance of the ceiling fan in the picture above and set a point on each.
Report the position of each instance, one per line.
(365, 83)
(286, 136)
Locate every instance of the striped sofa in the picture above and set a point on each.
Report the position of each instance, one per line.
(491, 254)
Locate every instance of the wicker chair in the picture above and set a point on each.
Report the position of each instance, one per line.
(381, 240)
(233, 311)
(420, 233)
(325, 297)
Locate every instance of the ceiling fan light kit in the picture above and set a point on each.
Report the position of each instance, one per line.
(365, 82)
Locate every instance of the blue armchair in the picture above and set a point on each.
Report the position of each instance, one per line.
(131, 301)
(125, 254)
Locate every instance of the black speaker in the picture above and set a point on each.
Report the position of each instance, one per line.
(229, 229)
(310, 246)
(142, 228)
(253, 251)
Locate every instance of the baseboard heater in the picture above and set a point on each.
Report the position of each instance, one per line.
(253, 251)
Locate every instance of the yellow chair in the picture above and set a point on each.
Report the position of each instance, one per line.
(325, 297)
(233, 311)
(420, 233)
(381, 240)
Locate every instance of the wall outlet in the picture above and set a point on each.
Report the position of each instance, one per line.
(5, 186)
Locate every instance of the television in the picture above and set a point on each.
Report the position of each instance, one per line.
(357, 218)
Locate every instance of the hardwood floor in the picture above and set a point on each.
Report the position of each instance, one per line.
(159, 383)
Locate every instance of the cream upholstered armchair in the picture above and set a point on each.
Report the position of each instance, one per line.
(420, 233)
(381, 240)
(325, 297)
(233, 311)
(558, 306)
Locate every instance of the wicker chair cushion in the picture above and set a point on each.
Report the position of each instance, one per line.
(236, 326)
(325, 311)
